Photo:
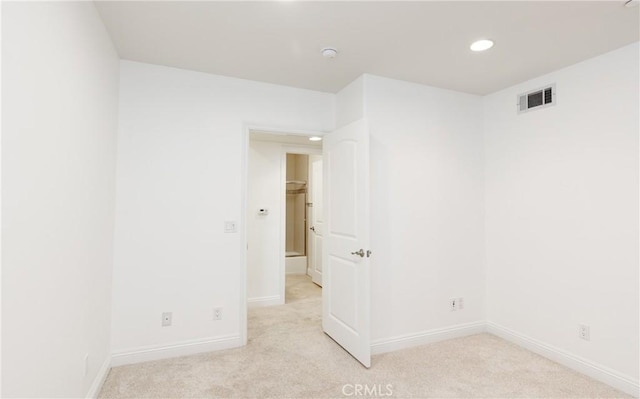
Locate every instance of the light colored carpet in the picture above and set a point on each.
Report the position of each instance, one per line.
(299, 288)
(288, 356)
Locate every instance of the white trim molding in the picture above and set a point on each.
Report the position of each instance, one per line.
(596, 371)
(426, 337)
(265, 301)
(295, 265)
(184, 348)
(101, 377)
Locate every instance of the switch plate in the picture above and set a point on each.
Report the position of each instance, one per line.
(217, 314)
(230, 226)
(453, 304)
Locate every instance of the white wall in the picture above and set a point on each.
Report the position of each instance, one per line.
(427, 207)
(265, 252)
(60, 92)
(180, 168)
(350, 104)
(562, 211)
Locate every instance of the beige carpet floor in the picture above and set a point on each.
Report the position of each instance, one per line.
(288, 356)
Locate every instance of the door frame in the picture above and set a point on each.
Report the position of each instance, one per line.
(286, 148)
(311, 237)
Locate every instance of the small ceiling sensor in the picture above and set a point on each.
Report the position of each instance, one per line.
(329, 52)
(481, 45)
(315, 138)
(632, 3)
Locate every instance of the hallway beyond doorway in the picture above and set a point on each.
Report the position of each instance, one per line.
(299, 287)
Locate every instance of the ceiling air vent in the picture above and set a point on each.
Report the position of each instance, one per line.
(537, 99)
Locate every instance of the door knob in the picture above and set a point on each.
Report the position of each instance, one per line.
(359, 253)
(312, 228)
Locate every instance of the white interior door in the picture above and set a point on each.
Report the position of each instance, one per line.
(315, 219)
(346, 274)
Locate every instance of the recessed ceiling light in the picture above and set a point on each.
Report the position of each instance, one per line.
(481, 45)
(631, 3)
(329, 52)
(315, 138)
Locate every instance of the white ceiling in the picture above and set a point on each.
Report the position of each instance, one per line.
(424, 42)
(283, 138)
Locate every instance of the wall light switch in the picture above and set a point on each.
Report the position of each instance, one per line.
(230, 226)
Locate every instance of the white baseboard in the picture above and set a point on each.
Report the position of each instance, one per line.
(596, 371)
(101, 377)
(426, 337)
(264, 301)
(295, 265)
(146, 354)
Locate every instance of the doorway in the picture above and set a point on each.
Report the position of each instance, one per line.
(296, 219)
(345, 259)
(283, 217)
(303, 230)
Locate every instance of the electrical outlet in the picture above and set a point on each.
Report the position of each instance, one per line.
(166, 319)
(584, 332)
(217, 314)
(453, 304)
(86, 364)
(461, 303)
